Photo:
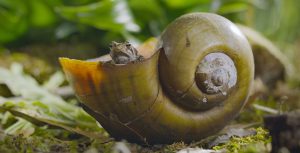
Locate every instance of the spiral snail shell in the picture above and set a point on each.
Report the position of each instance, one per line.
(192, 82)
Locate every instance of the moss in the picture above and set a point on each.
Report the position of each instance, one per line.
(252, 143)
(33, 144)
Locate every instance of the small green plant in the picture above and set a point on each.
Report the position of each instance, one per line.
(248, 144)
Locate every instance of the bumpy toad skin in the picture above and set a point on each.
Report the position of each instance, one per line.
(123, 53)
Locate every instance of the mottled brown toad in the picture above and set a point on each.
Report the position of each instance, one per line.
(123, 53)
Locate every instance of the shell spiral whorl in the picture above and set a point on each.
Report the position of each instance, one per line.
(203, 54)
(189, 87)
(216, 74)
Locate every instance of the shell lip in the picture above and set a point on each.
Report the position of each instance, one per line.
(106, 63)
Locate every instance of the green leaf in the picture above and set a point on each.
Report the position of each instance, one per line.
(13, 15)
(184, 4)
(233, 7)
(21, 127)
(149, 14)
(17, 16)
(41, 14)
(112, 15)
(55, 81)
(147, 10)
(37, 105)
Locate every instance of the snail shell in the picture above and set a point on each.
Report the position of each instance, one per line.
(189, 87)
(271, 65)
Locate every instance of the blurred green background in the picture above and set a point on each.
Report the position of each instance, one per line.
(36, 32)
(88, 26)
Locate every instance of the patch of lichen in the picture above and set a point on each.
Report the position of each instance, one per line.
(253, 143)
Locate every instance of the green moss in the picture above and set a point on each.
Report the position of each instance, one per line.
(18, 143)
(249, 144)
